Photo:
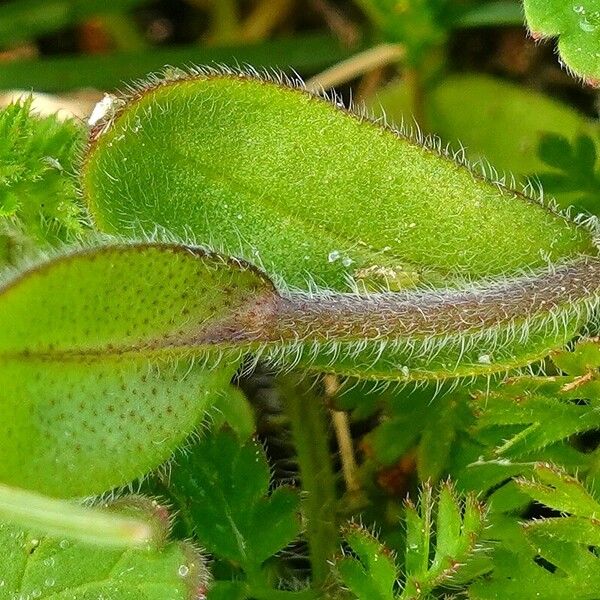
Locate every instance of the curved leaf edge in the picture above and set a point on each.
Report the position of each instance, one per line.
(112, 106)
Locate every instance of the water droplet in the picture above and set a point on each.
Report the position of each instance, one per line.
(64, 544)
(405, 371)
(485, 359)
(183, 570)
(333, 256)
(347, 261)
(586, 26)
(579, 9)
(49, 582)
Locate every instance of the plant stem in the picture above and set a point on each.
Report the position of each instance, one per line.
(308, 416)
(413, 81)
(360, 63)
(65, 518)
(224, 21)
(265, 17)
(341, 426)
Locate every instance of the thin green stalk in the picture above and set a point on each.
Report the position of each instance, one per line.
(308, 419)
(65, 518)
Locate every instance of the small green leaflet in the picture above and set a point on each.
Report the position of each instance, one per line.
(440, 538)
(576, 23)
(221, 489)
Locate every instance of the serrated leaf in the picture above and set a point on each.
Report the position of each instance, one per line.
(459, 525)
(577, 26)
(560, 556)
(541, 410)
(436, 548)
(580, 530)
(536, 412)
(518, 577)
(583, 359)
(372, 574)
(37, 185)
(97, 377)
(555, 488)
(221, 486)
(44, 567)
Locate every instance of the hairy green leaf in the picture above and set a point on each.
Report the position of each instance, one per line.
(110, 368)
(283, 178)
(577, 26)
(267, 184)
(97, 380)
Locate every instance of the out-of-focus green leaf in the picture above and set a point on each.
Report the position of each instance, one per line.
(305, 54)
(489, 14)
(26, 19)
(574, 175)
(232, 407)
(492, 119)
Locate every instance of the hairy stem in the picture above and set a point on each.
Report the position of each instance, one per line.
(308, 420)
(330, 317)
